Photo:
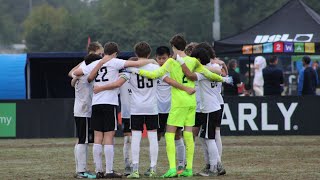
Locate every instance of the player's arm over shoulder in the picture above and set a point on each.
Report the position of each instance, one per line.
(177, 85)
(158, 72)
(208, 74)
(118, 83)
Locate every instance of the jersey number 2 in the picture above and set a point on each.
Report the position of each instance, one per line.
(184, 80)
(103, 79)
(141, 83)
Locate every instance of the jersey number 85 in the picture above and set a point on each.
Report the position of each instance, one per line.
(142, 84)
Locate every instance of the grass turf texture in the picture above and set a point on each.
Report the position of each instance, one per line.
(244, 157)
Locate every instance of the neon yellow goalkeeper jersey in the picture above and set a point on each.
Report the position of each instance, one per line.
(181, 98)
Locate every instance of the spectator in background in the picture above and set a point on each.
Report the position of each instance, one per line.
(315, 66)
(232, 90)
(259, 64)
(308, 78)
(273, 78)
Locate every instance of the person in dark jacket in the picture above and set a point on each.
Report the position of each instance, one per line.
(273, 78)
(232, 90)
(308, 78)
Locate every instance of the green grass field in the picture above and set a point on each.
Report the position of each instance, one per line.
(249, 157)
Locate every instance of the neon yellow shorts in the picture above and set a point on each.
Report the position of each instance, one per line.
(182, 116)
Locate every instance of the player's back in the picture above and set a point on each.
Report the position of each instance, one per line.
(83, 96)
(181, 98)
(107, 74)
(209, 93)
(125, 93)
(143, 98)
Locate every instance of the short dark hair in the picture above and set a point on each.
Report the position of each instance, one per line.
(93, 47)
(142, 49)
(316, 62)
(208, 47)
(201, 54)
(91, 57)
(162, 50)
(190, 47)
(110, 48)
(273, 59)
(178, 42)
(306, 59)
(232, 64)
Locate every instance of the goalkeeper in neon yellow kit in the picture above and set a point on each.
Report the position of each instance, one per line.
(183, 105)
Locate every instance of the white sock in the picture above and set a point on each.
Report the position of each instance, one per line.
(205, 150)
(81, 154)
(109, 154)
(75, 157)
(181, 152)
(87, 153)
(153, 148)
(219, 144)
(97, 157)
(212, 152)
(127, 151)
(135, 149)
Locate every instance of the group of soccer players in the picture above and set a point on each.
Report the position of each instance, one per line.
(159, 94)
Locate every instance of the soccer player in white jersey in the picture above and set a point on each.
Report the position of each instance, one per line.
(82, 111)
(214, 165)
(224, 72)
(209, 106)
(104, 117)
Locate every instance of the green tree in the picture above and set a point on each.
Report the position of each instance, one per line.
(45, 27)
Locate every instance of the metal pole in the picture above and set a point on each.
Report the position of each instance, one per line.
(216, 21)
(30, 6)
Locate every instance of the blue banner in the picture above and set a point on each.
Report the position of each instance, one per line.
(12, 76)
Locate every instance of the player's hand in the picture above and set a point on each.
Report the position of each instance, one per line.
(132, 70)
(97, 89)
(180, 59)
(190, 91)
(228, 80)
(153, 61)
(73, 82)
(105, 59)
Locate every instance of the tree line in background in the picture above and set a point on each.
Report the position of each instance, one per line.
(60, 25)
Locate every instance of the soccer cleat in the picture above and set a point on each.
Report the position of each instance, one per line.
(90, 175)
(112, 175)
(186, 173)
(127, 171)
(151, 172)
(213, 173)
(203, 171)
(99, 175)
(170, 173)
(134, 175)
(80, 175)
(180, 169)
(220, 169)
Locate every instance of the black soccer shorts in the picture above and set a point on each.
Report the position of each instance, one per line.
(137, 121)
(104, 118)
(84, 131)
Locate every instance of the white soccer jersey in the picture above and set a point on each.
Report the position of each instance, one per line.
(219, 86)
(83, 96)
(163, 96)
(125, 93)
(144, 93)
(198, 96)
(107, 74)
(208, 94)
